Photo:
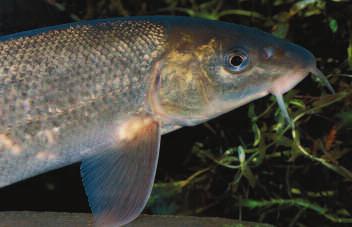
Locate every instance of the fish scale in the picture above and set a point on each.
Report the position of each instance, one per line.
(57, 84)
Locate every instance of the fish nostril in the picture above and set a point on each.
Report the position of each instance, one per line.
(268, 52)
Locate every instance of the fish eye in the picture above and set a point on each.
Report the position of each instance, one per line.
(236, 60)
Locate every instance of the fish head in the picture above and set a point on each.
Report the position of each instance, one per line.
(213, 67)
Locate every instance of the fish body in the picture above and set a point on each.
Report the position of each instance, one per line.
(104, 91)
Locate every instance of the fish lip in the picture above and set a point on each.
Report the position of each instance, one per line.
(285, 83)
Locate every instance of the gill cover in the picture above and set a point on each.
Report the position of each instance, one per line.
(183, 88)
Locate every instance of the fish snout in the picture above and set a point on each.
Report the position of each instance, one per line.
(298, 62)
(300, 56)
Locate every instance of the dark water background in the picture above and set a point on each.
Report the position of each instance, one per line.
(61, 190)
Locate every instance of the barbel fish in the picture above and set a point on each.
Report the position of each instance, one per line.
(104, 91)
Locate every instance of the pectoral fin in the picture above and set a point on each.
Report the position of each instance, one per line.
(118, 182)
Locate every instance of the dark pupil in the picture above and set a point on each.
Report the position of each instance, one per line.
(236, 60)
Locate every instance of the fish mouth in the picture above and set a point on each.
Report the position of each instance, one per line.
(286, 83)
(282, 85)
(289, 81)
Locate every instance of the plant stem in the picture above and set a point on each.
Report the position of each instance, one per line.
(251, 203)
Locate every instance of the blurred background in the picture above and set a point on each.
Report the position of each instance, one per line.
(246, 164)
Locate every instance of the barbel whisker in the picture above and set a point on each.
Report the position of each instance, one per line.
(280, 101)
(316, 72)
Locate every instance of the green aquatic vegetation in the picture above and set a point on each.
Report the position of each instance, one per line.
(304, 204)
(333, 25)
(211, 10)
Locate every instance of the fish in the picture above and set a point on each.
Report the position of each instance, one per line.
(102, 92)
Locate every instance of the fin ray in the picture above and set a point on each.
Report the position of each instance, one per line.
(118, 182)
